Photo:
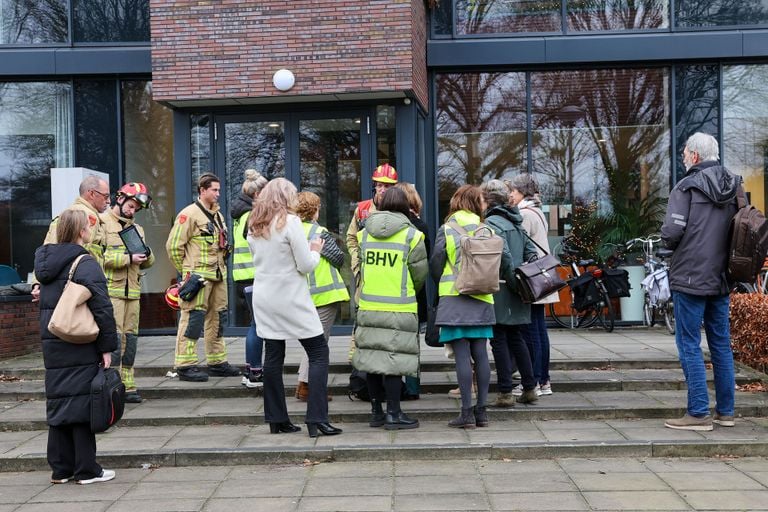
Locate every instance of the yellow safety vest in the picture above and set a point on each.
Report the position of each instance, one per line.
(325, 283)
(470, 222)
(386, 283)
(242, 260)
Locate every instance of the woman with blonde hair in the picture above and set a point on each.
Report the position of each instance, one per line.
(283, 306)
(70, 368)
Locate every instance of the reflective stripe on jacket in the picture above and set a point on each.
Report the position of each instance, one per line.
(325, 283)
(123, 277)
(193, 244)
(242, 261)
(470, 222)
(98, 235)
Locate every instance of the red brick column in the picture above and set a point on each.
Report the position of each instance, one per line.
(19, 326)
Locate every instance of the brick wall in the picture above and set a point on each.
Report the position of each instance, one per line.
(229, 49)
(19, 326)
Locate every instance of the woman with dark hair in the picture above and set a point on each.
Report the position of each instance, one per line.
(465, 321)
(512, 314)
(70, 368)
(393, 267)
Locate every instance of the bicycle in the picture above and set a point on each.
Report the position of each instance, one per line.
(657, 301)
(590, 301)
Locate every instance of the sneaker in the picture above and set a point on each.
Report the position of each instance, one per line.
(61, 480)
(456, 392)
(545, 389)
(106, 475)
(517, 390)
(192, 374)
(516, 375)
(255, 379)
(504, 400)
(537, 390)
(133, 397)
(223, 370)
(723, 420)
(688, 422)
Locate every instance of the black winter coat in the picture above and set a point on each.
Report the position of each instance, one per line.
(70, 368)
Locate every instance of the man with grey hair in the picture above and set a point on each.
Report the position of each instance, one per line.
(696, 226)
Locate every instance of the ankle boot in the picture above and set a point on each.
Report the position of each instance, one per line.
(378, 418)
(464, 420)
(302, 391)
(396, 419)
(481, 416)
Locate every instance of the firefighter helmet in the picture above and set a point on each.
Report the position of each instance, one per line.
(136, 191)
(172, 297)
(385, 173)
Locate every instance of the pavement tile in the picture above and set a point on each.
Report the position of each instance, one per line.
(749, 464)
(634, 500)
(523, 482)
(268, 472)
(22, 493)
(669, 465)
(406, 468)
(659, 433)
(374, 437)
(537, 501)
(577, 434)
(759, 476)
(157, 504)
(439, 484)
(349, 486)
(72, 492)
(353, 469)
(172, 490)
(418, 502)
(345, 503)
(727, 500)
(699, 481)
(515, 467)
(85, 506)
(446, 436)
(244, 488)
(618, 482)
(265, 439)
(251, 505)
(604, 465)
(483, 436)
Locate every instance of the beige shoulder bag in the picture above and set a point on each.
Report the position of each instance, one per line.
(72, 319)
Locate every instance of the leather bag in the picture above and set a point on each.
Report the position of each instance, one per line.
(539, 278)
(107, 399)
(72, 320)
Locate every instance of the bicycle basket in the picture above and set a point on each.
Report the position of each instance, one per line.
(585, 291)
(616, 281)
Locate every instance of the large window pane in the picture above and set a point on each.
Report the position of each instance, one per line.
(200, 148)
(148, 148)
(745, 127)
(96, 127)
(507, 16)
(601, 138)
(442, 18)
(714, 13)
(481, 130)
(697, 100)
(385, 135)
(595, 15)
(35, 135)
(33, 21)
(97, 21)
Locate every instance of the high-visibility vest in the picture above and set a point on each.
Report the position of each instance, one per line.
(470, 222)
(242, 261)
(325, 283)
(386, 283)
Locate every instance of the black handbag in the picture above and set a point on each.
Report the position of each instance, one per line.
(432, 334)
(539, 278)
(107, 399)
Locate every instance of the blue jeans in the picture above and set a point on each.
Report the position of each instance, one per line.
(537, 339)
(690, 310)
(254, 346)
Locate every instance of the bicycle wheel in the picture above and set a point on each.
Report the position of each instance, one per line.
(561, 320)
(669, 317)
(648, 313)
(605, 311)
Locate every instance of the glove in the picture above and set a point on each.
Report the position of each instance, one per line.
(191, 287)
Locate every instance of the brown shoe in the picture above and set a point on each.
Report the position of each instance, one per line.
(528, 397)
(302, 391)
(688, 422)
(504, 400)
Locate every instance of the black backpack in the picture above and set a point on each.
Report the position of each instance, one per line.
(748, 241)
(358, 386)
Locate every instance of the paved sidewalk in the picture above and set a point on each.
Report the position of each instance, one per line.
(559, 484)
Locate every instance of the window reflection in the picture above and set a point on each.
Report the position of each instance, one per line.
(200, 147)
(697, 98)
(596, 15)
(500, 16)
(148, 148)
(745, 128)
(99, 21)
(711, 13)
(96, 127)
(35, 135)
(33, 21)
(481, 130)
(385, 135)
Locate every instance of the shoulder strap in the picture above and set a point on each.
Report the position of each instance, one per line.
(73, 268)
(457, 227)
(213, 218)
(539, 214)
(741, 197)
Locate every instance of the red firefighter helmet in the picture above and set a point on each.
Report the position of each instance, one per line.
(172, 297)
(136, 191)
(385, 173)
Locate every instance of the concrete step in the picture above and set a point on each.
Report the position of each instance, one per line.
(124, 446)
(587, 405)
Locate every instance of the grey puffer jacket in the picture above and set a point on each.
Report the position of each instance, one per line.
(387, 341)
(507, 222)
(696, 226)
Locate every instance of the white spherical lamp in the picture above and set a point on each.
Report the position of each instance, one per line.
(283, 80)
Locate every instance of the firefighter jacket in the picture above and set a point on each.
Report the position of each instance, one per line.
(98, 239)
(123, 277)
(198, 242)
(325, 283)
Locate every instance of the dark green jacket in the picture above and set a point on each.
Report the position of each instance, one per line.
(506, 221)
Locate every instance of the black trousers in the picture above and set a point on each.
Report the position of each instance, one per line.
(275, 410)
(72, 452)
(509, 347)
(386, 387)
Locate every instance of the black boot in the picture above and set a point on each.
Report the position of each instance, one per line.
(465, 420)
(481, 416)
(396, 419)
(377, 414)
